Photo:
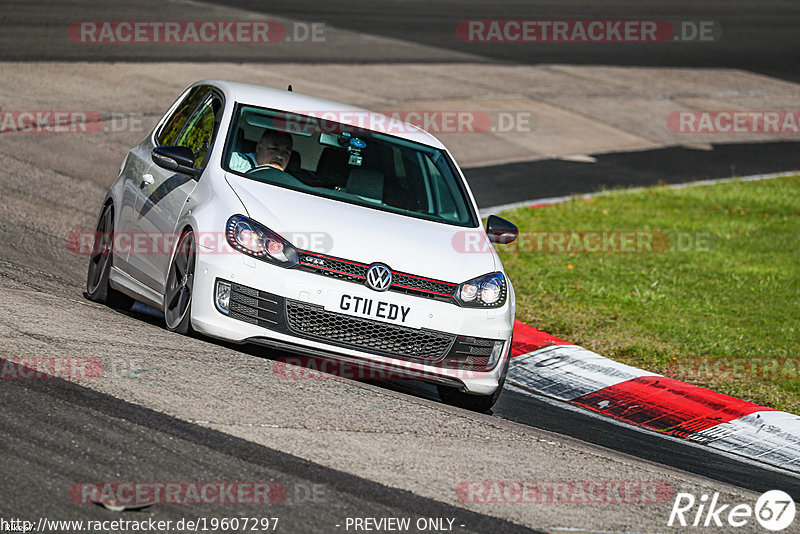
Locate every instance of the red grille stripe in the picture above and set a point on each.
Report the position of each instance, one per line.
(398, 273)
(333, 270)
(422, 290)
(423, 278)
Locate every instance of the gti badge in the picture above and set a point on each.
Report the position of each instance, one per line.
(379, 277)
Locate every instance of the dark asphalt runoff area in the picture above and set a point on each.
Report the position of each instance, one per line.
(57, 434)
(756, 35)
(760, 36)
(518, 182)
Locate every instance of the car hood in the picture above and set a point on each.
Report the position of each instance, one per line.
(367, 235)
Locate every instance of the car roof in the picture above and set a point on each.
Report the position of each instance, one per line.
(290, 101)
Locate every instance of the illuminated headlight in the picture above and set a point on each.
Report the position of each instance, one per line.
(491, 291)
(487, 291)
(223, 296)
(468, 292)
(254, 239)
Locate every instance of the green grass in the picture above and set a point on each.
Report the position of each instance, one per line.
(733, 296)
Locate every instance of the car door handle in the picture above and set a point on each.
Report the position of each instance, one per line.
(147, 179)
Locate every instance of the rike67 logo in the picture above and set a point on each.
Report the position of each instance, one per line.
(774, 510)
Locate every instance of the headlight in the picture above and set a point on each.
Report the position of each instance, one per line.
(254, 239)
(487, 291)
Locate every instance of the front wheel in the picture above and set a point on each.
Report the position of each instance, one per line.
(469, 401)
(180, 279)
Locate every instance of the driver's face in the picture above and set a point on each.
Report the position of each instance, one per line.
(274, 152)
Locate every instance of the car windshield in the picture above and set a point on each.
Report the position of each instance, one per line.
(338, 161)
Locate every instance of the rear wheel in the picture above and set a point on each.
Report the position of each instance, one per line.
(100, 262)
(178, 294)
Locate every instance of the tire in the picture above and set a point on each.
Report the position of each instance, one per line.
(180, 280)
(468, 401)
(101, 260)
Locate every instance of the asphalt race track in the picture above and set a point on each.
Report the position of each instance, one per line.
(173, 408)
(69, 433)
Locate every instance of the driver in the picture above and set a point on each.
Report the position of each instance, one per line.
(274, 150)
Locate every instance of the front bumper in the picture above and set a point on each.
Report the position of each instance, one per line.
(285, 309)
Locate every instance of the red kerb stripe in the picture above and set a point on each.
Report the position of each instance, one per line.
(528, 339)
(667, 405)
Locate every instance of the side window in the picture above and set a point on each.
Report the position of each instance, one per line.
(194, 123)
(199, 132)
(174, 124)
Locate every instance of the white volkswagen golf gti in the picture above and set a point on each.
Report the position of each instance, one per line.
(263, 216)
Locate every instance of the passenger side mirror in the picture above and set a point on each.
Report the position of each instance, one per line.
(176, 158)
(500, 230)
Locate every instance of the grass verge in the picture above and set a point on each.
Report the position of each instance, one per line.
(707, 291)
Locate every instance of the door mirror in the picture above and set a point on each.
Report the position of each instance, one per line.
(176, 158)
(500, 230)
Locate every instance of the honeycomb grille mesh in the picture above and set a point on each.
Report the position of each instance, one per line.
(391, 340)
(422, 284)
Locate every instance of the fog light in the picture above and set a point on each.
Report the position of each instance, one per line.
(223, 296)
(497, 351)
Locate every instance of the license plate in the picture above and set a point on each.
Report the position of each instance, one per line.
(375, 308)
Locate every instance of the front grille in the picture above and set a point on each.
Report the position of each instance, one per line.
(394, 341)
(336, 266)
(310, 321)
(353, 271)
(423, 284)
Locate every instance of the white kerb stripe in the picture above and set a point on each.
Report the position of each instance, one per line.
(770, 437)
(569, 371)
